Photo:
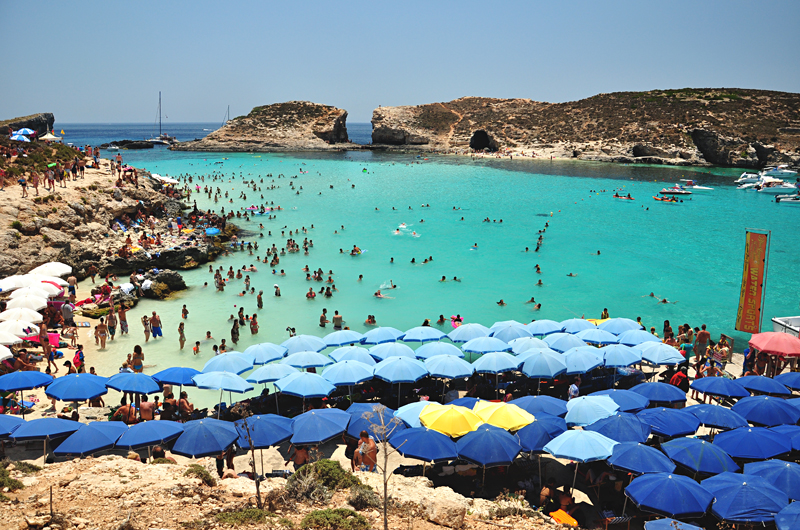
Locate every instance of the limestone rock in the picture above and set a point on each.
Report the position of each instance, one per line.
(55, 238)
(445, 507)
(41, 123)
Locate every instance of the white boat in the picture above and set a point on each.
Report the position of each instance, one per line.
(112, 147)
(793, 200)
(762, 182)
(790, 325)
(162, 138)
(779, 172)
(692, 185)
(677, 189)
(777, 189)
(747, 178)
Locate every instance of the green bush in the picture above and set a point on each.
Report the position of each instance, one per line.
(16, 225)
(362, 497)
(333, 476)
(244, 516)
(7, 482)
(335, 519)
(196, 470)
(23, 467)
(163, 461)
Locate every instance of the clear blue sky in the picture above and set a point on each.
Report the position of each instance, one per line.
(106, 61)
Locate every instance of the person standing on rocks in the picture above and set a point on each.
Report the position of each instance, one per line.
(155, 325)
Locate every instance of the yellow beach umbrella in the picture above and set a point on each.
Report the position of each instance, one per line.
(504, 415)
(452, 420)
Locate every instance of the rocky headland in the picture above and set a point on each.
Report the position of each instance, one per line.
(290, 126)
(41, 123)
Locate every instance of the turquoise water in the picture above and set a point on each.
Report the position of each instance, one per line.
(689, 253)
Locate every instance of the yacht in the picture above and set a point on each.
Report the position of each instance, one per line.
(779, 172)
(790, 325)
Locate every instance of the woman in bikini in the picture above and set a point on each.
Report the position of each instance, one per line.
(137, 359)
(181, 335)
(102, 333)
(146, 324)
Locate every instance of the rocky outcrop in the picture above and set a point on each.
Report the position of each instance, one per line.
(41, 123)
(129, 144)
(291, 126)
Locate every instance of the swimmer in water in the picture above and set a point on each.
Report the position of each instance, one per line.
(540, 283)
(391, 285)
(531, 301)
(665, 301)
(501, 302)
(444, 279)
(571, 275)
(537, 307)
(455, 279)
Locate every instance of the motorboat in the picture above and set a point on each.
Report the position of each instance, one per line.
(776, 189)
(747, 178)
(677, 189)
(692, 185)
(790, 325)
(793, 200)
(782, 171)
(113, 147)
(762, 182)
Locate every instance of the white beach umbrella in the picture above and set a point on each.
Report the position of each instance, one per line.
(49, 288)
(5, 353)
(47, 278)
(32, 290)
(20, 313)
(7, 284)
(30, 279)
(7, 339)
(20, 328)
(31, 302)
(54, 268)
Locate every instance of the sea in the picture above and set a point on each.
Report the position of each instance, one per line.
(477, 220)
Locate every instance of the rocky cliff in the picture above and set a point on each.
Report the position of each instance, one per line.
(41, 123)
(290, 126)
(732, 127)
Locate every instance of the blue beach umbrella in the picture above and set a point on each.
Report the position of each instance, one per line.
(342, 337)
(424, 444)
(505, 324)
(24, 131)
(410, 413)
(718, 417)
(45, 429)
(541, 404)
(422, 334)
(582, 359)
(374, 422)
(639, 458)
(176, 376)
(8, 424)
(763, 385)
(305, 385)
(753, 443)
(634, 337)
(434, 349)
(304, 343)
(619, 325)
(783, 475)
(91, 438)
(575, 325)
(16, 381)
(266, 352)
(582, 446)
(485, 345)
(391, 349)
(448, 367)
(317, 426)
(510, 332)
(223, 381)
(669, 422)
(306, 359)
(534, 351)
(400, 370)
(149, 433)
(699, 456)
(794, 402)
(628, 401)
(767, 411)
(669, 495)
(562, 342)
(381, 335)
(361, 407)
(347, 373)
(20, 138)
(540, 328)
(467, 332)
(620, 356)
(353, 353)
(596, 336)
(660, 392)
(496, 362)
(534, 436)
(660, 354)
(744, 498)
(206, 437)
(229, 362)
(621, 427)
(466, 401)
(265, 430)
(790, 379)
(789, 517)
(543, 365)
(77, 387)
(719, 386)
(792, 431)
(269, 373)
(585, 410)
(213, 231)
(489, 446)
(135, 383)
(523, 344)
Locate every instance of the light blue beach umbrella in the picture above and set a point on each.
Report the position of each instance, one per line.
(496, 362)
(352, 353)
(400, 370)
(621, 427)
(91, 438)
(20, 138)
(432, 349)
(266, 352)
(524, 344)
(391, 349)
(270, 373)
(634, 337)
(149, 433)
(348, 373)
(448, 367)
(574, 325)
(236, 363)
(305, 385)
(484, 345)
(540, 328)
(582, 359)
(585, 410)
(504, 324)
(620, 356)
(596, 336)
(619, 325)
(212, 231)
(77, 387)
(562, 342)
(659, 353)
(342, 337)
(307, 359)
(265, 430)
(24, 131)
(582, 446)
(320, 425)
(467, 332)
(423, 334)
(410, 413)
(628, 401)
(303, 343)
(533, 352)
(509, 333)
(135, 383)
(227, 381)
(177, 375)
(381, 335)
(543, 365)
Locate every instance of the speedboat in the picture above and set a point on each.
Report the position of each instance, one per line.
(782, 171)
(790, 325)
(112, 147)
(788, 199)
(692, 185)
(777, 189)
(747, 178)
(677, 189)
(762, 182)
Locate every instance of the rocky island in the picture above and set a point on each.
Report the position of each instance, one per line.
(290, 126)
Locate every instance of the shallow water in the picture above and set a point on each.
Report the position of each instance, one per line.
(689, 253)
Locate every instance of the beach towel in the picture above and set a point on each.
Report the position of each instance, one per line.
(54, 338)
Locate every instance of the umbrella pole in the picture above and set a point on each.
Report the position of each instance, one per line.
(398, 394)
(219, 407)
(539, 458)
(575, 477)
(261, 451)
(277, 410)
(496, 394)
(625, 504)
(350, 390)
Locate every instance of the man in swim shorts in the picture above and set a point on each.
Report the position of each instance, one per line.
(155, 325)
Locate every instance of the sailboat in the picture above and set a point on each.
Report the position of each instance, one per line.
(162, 138)
(227, 118)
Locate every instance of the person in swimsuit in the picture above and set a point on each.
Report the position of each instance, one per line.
(137, 359)
(155, 324)
(181, 336)
(112, 322)
(146, 324)
(102, 332)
